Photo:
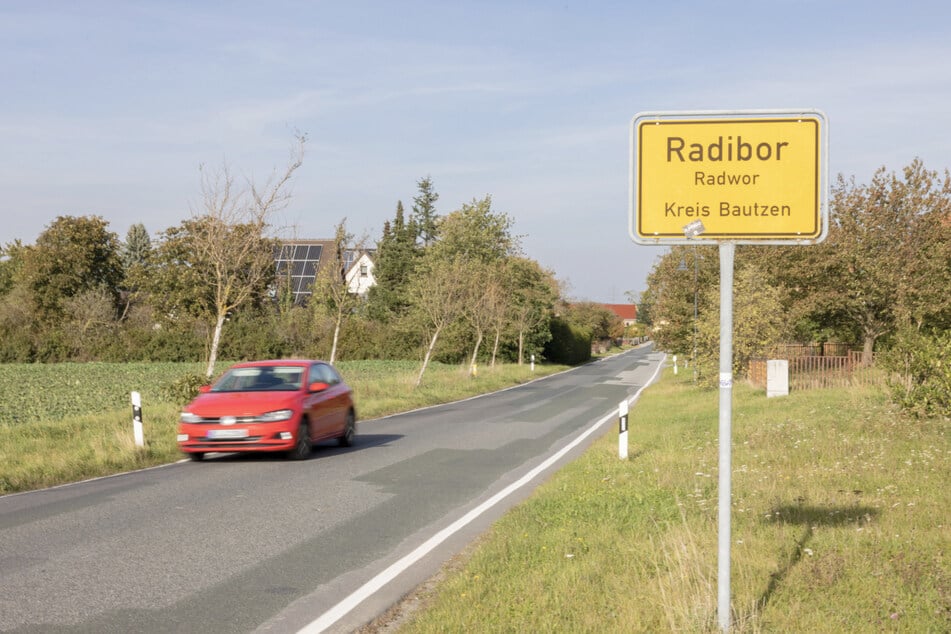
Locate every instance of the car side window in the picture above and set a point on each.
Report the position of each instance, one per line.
(323, 372)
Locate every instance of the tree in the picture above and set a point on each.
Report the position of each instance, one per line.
(596, 319)
(533, 292)
(17, 326)
(221, 259)
(483, 304)
(645, 308)
(477, 233)
(438, 291)
(396, 258)
(758, 323)
(498, 303)
(885, 264)
(671, 292)
(136, 254)
(136, 248)
(923, 300)
(481, 238)
(331, 285)
(11, 262)
(90, 324)
(425, 219)
(72, 255)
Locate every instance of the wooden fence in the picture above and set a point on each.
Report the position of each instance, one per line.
(809, 371)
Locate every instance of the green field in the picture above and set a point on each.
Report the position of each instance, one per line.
(841, 523)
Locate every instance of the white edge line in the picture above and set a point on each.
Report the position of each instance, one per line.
(365, 591)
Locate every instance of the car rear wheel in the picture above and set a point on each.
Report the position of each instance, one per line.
(302, 447)
(349, 430)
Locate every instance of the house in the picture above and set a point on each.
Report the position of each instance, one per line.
(299, 261)
(358, 265)
(626, 312)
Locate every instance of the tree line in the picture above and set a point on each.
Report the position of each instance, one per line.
(880, 282)
(454, 287)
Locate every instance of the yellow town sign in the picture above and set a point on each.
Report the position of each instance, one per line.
(748, 177)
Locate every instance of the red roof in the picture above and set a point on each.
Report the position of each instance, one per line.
(624, 311)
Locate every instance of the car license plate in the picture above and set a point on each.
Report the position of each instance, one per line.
(224, 434)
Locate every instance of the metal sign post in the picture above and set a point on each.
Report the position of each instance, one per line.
(724, 531)
(728, 178)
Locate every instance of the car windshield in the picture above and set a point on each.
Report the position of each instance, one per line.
(261, 379)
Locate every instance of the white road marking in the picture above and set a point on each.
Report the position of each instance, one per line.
(367, 590)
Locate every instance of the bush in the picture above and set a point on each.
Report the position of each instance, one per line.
(184, 388)
(570, 344)
(921, 367)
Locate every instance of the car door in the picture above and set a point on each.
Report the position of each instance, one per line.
(324, 406)
(340, 397)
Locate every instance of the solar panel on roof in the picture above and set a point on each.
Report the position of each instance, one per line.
(297, 264)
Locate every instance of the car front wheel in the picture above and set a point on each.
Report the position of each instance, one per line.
(302, 447)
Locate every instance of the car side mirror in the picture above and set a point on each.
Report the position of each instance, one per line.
(318, 386)
(204, 389)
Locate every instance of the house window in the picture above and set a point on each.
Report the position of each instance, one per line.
(348, 257)
(363, 270)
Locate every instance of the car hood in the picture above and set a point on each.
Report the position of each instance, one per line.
(218, 404)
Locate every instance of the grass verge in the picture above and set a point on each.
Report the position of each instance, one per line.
(840, 523)
(42, 444)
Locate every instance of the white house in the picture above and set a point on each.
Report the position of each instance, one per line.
(359, 274)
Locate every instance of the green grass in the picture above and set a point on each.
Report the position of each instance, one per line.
(841, 522)
(65, 422)
(36, 392)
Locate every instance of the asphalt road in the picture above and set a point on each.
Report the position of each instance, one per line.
(257, 543)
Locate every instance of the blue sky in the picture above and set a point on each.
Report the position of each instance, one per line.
(109, 108)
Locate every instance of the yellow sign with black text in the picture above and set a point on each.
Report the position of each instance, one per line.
(749, 178)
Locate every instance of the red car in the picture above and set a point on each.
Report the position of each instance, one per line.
(285, 405)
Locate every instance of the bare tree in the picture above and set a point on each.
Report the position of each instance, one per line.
(438, 292)
(498, 304)
(484, 306)
(232, 244)
(332, 286)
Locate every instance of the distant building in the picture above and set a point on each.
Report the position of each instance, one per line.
(359, 267)
(626, 312)
(299, 262)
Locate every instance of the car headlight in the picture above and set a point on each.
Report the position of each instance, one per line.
(188, 417)
(273, 417)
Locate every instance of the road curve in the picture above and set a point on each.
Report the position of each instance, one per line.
(243, 544)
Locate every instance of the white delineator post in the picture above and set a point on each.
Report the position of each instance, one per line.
(137, 420)
(622, 430)
(675, 365)
(533, 363)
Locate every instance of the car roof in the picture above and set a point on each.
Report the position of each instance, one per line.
(276, 362)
